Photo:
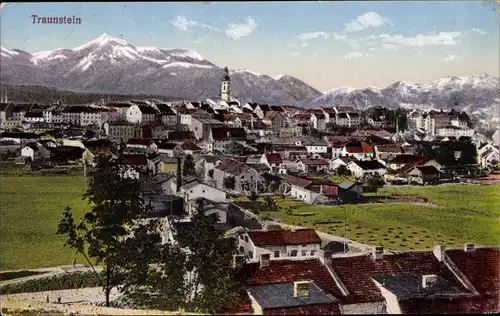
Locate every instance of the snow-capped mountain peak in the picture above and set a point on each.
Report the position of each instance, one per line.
(245, 71)
(7, 52)
(103, 40)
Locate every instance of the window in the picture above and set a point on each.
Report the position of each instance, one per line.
(313, 252)
(277, 254)
(250, 254)
(304, 245)
(246, 238)
(304, 253)
(242, 249)
(293, 253)
(241, 237)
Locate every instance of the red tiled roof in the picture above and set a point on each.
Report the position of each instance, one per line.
(330, 190)
(190, 146)
(273, 158)
(296, 181)
(316, 309)
(288, 271)
(481, 267)
(361, 147)
(303, 116)
(315, 162)
(356, 272)
(459, 305)
(240, 158)
(134, 160)
(406, 158)
(284, 237)
(139, 141)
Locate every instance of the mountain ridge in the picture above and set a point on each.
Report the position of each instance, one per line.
(112, 65)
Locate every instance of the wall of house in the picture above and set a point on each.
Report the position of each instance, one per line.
(134, 115)
(391, 300)
(28, 153)
(203, 190)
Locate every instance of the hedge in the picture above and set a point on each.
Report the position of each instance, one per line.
(66, 281)
(9, 275)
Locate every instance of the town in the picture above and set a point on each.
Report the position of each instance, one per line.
(286, 184)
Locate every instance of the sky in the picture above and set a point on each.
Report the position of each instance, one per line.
(325, 44)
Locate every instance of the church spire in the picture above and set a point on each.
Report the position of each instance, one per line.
(225, 89)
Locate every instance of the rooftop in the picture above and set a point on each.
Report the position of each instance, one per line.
(284, 237)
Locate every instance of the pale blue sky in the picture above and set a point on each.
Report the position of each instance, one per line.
(326, 44)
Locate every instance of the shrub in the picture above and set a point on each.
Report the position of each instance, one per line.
(76, 280)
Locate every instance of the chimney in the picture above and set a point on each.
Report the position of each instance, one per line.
(439, 252)
(469, 247)
(429, 280)
(179, 174)
(378, 253)
(301, 288)
(265, 260)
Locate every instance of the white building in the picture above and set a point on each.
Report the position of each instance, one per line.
(454, 131)
(141, 114)
(225, 90)
(195, 190)
(366, 167)
(279, 244)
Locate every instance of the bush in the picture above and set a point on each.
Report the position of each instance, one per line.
(76, 280)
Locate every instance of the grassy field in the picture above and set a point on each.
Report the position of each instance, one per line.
(30, 209)
(464, 213)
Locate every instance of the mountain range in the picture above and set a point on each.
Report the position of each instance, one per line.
(111, 65)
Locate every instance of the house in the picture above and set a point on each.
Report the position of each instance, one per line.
(359, 150)
(401, 161)
(220, 136)
(273, 161)
(291, 287)
(209, 207)
(122, 131)
(388, 151)
(141, 114)
(366, 167)
(316, 146)
(201, 126)
(437, 281)
(312, 166)
(274, 119)
(319, 121)
(34, 151)
(246, 178)
(121, 109)
(422, 174)
(279, 244)
(135, 165)
(337, 162)
(19, 137)
(434, 163)
(168, 116)
(195, 189)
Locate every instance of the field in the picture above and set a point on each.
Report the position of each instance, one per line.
(462, 213)
(30, 209)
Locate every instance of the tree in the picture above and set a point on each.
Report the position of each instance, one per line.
(234, 149)
(343, 171)
(446, 155)
(270, 205)
(253, 196)
(199, 280)
(229, 182)
(188, 167)
(115, 205)
(211, 173)
(468, 154)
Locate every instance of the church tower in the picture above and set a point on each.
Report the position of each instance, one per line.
(225, 88)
